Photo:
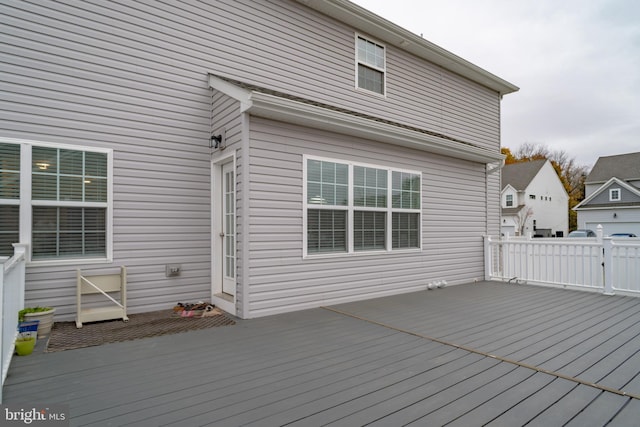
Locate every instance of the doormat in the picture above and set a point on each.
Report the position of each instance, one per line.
(65, 335)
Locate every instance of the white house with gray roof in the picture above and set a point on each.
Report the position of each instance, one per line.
(277, 155)
(534, 201)
(612, 195)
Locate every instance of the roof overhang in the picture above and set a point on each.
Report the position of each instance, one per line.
(388, 32)
(318, 117)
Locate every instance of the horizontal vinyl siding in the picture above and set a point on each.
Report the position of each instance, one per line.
(280, 45)
(65, 79)
(281, 280)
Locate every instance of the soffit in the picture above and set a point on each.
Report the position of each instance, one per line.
(275, 105)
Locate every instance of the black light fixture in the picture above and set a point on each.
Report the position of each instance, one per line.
(215, 141)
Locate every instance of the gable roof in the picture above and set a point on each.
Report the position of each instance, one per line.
(623, 166)
(586, 202)
(519, 175)
(276, 105)
(388, 32)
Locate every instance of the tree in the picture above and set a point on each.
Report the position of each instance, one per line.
(571, 174)
(524, 214)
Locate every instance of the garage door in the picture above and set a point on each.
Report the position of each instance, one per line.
(616, 227)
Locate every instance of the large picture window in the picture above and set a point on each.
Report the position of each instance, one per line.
(357, 208)
(67, 201)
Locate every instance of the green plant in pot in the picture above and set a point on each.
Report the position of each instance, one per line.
(25, 345)
(43, 314)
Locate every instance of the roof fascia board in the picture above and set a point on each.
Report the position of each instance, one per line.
(232, 90)
(366, 21)
(508, 186)
(291, 111)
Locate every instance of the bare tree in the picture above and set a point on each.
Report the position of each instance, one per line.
(523, 215)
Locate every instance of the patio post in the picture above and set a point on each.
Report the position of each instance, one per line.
(607, 261)
(487, 258)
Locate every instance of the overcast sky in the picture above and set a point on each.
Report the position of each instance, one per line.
(577, 64)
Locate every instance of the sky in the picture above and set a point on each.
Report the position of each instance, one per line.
(576, 62)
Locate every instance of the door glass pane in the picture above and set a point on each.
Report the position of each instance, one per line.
(229, 225)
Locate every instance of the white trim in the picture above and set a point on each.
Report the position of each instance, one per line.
(350, 208)
(245, 141)
(316, 117)
(218, 159)
(611, 192)
(358, 62)
(26, 203)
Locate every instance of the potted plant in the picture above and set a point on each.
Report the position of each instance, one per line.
(25, 345)
(42, 314)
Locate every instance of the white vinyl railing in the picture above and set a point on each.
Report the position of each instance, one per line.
(11, 302)
(605, 264)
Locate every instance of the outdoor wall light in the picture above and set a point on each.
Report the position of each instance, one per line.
(615, 215)
(215, 141)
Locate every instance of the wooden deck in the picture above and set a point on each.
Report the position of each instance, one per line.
(487, 353)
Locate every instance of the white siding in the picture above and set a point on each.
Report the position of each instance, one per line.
(551, 204)
(454, 221)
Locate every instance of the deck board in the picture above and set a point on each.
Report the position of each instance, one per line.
(365, 362)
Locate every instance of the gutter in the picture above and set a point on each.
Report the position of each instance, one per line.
(276, 106)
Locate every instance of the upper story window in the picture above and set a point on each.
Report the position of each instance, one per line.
(532, 196)
(355, 208)
(371, 65)
(65, 201)
(615, 195)
(509, 200)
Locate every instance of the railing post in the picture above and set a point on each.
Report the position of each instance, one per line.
(488, 271)
(607, 265)
(12, 276)
(20, 252)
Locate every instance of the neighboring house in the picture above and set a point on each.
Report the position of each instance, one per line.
(279, 155)
(534, 201)
(612, 195)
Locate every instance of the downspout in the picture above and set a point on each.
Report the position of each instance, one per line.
(490, 169)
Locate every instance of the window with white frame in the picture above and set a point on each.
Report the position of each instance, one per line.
(352, 207)
(614, 195)
(65, 195)
(371, 65)
(509, 200)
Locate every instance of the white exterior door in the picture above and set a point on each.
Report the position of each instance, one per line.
(228, 233)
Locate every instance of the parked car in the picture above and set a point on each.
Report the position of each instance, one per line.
(623, 235)
(582, 233)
